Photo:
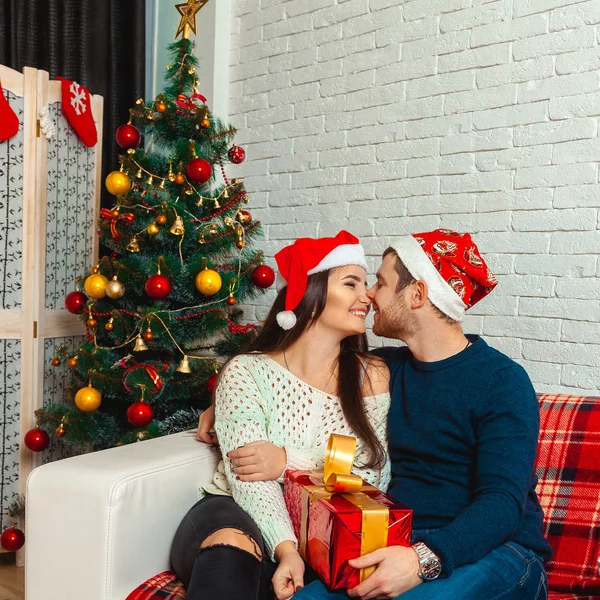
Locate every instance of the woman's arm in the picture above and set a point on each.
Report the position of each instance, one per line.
(239, 419)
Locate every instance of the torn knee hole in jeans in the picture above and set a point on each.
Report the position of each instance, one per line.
(255, 550)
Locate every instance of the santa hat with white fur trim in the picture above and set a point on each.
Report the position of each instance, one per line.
(457, 277)
(307, 256)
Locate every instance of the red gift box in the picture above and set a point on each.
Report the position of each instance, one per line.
(334, 526)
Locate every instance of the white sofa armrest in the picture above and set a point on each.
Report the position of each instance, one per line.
(100, 524)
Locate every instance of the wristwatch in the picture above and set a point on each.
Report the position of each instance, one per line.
(431, 567)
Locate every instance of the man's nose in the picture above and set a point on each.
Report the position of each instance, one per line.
(371, 293)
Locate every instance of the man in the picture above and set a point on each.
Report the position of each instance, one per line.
(463, 428)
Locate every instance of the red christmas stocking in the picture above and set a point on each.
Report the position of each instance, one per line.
(77, 109)
(9, 122)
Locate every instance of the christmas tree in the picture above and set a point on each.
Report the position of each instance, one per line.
(160, 306)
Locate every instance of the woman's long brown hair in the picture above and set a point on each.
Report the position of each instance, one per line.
(272, 338)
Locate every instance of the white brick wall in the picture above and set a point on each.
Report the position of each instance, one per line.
(388, 117)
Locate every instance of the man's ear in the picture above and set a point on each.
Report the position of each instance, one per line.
(418, 297)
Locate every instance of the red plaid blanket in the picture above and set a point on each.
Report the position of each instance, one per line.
(567, 466)
(164, 585)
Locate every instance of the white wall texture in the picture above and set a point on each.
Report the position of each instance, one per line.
(388, 117)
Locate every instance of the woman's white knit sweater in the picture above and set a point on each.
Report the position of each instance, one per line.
(258, 399)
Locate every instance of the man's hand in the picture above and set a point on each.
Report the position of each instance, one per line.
(258, 461)
(397, 572)
(289, 576)
(206, 433)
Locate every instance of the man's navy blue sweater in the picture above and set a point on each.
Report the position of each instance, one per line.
(463, 435)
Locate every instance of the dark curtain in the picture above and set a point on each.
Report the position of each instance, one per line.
(98, 43)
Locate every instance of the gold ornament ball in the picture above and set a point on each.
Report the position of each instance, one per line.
(72, 362)
(115, 289)
(115, 212)
(205, 123)
(208, 282)
(88, 399)
(95, 286)
(161, 107)
(91, 322)
(94, 270)
(148, 335)
(240, 244)
(153, 229)
(118, 183)
(109, 326)
(179, 179)
(60, 431)
(161, 219)
(231, 301)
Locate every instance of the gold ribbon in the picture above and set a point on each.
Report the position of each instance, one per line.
(338, 479)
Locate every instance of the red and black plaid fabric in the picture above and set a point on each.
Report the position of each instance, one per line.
(164, 585)
(567, 467)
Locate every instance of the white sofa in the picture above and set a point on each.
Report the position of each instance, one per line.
(100, 524)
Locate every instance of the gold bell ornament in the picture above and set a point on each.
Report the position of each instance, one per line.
(177, 228)
(140, 345)
(184, 366)
(133, 245)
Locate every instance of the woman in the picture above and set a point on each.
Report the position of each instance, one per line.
(307, 375)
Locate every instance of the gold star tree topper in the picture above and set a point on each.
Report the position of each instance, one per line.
(188, 13)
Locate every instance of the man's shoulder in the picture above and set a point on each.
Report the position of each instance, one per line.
(498, 362)
(505, 376)
(393, 356)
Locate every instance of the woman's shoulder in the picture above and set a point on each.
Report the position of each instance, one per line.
(377, 376)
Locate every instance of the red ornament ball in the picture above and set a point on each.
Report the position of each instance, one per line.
(12, 539)
(199, 170)
(236, 154)
(139, 414)
(244, 216)
(231, 301)
(158, 287)
(75, 302)
(37, 440)
(128, 136)
(263, 276)
(211, 383)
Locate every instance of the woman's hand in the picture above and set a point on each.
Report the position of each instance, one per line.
(258, 461)
(206, 433)
(289, 576)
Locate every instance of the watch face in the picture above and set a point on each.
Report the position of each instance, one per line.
(431, 569)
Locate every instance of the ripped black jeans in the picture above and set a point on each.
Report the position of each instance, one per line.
(220, 572)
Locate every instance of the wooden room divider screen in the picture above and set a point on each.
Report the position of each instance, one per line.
(49, 206)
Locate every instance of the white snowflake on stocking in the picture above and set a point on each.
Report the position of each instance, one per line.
(78, 98)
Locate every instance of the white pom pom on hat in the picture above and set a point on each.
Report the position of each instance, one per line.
(286, 319)
(307, 256)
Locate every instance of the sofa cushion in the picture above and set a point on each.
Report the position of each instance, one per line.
(569, 489)
(162, 586)
(567, 596)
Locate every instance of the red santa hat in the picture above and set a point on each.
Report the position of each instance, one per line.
(450, 264)
(307, 256)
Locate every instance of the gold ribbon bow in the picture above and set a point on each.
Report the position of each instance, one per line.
(338, 479)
